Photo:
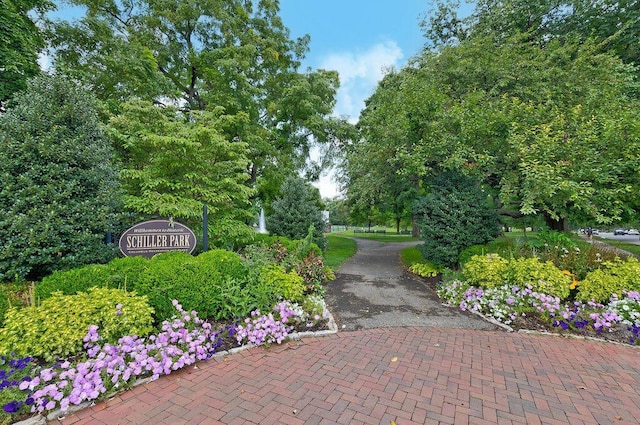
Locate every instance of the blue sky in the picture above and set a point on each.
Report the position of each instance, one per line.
(359, 39)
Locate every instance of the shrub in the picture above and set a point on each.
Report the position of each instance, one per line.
(178, 275)
(425, 269)
(543, 277)
(4, 304)
(58, 181)
(229, 264)
(615, 277)
(278, 283)
(70, 282)
(452, 217)
(298, 208)
(486, 271)
(56, 328)
(314, 273)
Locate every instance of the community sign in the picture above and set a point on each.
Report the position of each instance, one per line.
(155, 237)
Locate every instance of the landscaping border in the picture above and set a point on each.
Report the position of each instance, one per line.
(57, 414)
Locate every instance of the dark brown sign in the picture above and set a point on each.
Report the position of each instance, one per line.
(155, 237)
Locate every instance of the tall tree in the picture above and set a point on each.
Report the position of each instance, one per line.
(234, 54)
(22, 41)
(525, 119)
(59, 192)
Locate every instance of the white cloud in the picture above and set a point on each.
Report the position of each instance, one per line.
(360, 73)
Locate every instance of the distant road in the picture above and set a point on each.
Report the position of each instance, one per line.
(634, 239)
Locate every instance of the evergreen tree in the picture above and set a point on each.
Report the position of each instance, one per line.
(298, 207)
(58, 187)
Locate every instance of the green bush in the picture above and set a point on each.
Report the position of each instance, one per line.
(56, 328)
(614, 277)
(59, 189)
(425, 269)
(544, 277)
(486, 271)
(278, 283)
(453, 216)
(229, 264)
(492, 271)
(178, 275)
(70, 282)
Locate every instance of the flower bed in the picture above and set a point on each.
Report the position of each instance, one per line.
(106, 368)
(526, 309)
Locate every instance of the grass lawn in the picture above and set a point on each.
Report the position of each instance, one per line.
(380, 237)
(339, 249)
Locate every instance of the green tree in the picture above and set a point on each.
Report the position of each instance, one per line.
(298, 207)
(175, 162)
(22, 41)
(234, 54)
(524, 119)
(58, 185)
(454, 215)
(613, 24)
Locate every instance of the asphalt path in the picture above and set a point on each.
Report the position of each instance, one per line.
(634, 239)
(372, 290)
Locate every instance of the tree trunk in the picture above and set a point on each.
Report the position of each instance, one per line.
(560, 225)
(398, 225)
(415, 231)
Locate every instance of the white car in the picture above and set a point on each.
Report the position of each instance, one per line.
(633, 232)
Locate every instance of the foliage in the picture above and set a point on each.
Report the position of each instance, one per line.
(173, 163)
(467, 253)
(56, 327)
(486, 271)
(234, 55)
(452, 217)
(542, 277)
(58, 181)
(615, 277)
(314, 273)
(425, 269)
(22, 41)
(110, 366)
(70, 282)
(298, 208)
(560, 140)
(275, 280)
(178, 275)
(229, 264)
(491, 271)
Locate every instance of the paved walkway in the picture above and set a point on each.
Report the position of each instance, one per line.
(386, 375)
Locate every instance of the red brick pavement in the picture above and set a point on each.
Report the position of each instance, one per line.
(401, 375)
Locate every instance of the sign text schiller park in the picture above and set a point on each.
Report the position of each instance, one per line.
(155, 237)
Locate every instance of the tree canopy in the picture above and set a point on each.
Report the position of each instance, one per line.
(205, 55)
(549, 124)
(22, 41)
